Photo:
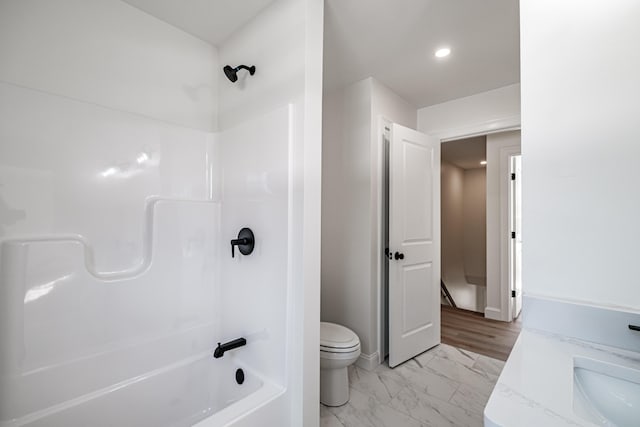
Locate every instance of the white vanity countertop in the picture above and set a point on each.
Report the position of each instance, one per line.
(535, 387)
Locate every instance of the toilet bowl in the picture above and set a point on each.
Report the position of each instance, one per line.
(339, 348)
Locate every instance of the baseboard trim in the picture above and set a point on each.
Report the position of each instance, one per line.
(493, 313)
(368, 361)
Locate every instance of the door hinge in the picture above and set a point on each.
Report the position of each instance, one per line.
(513, 177)
(513, 294)
(513, 234)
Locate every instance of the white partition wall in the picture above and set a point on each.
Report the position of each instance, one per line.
(580, 148)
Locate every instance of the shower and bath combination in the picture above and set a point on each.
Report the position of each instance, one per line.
(199, 263)
(232, 73)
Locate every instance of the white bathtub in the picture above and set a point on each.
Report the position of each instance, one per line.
(199, 391)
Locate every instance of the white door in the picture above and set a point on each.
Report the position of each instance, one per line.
(414, 244)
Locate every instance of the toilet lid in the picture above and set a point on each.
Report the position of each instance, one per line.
(335, 337)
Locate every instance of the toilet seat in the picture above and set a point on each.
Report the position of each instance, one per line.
(328, 351)
(337, 339)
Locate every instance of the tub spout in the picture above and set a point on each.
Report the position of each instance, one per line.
(222, 348)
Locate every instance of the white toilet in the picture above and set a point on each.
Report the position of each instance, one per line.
(339, 348)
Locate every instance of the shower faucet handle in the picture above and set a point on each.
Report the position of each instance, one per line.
(245, 242)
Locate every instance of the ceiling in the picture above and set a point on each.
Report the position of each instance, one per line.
(394, 41)
(210, 20)
(391, 40)
(465, 153)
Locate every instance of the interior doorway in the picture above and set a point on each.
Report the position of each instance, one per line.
(482, 315)
(491, 208)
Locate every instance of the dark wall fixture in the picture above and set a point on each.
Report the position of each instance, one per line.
(232, 73)
(245, 242)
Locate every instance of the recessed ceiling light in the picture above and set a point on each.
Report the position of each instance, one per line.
(442, 52)
(483, 162)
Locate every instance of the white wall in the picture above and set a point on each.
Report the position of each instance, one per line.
(500, 147)
(580, 150)
(126, 59)
(475, 226)
(463, 235)
(346, 210)
(473, 115)
(386, 103)
(306, 388)
(351, 210)
(452, 199)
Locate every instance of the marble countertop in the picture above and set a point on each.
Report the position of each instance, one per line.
(535, 387)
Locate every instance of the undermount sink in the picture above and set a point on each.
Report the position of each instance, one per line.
(606, 394)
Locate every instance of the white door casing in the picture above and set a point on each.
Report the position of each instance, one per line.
(414, 244)
(515, 224)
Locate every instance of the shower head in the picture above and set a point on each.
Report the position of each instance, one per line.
(232, 73)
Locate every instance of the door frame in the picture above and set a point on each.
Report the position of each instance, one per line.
(383, 126)
(513, 255)
(504, 312)
(488, 127)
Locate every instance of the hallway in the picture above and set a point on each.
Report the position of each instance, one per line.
(472, 331)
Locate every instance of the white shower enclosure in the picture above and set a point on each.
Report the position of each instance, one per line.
(128, 162)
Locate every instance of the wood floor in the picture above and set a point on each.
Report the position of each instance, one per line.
(472, 331)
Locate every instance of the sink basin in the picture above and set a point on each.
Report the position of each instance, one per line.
(606, 394)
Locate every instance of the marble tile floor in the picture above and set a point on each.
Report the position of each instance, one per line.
(444, 386)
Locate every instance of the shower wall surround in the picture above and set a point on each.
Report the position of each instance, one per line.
(119, 195)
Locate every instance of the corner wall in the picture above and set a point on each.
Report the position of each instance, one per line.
(125, 59)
